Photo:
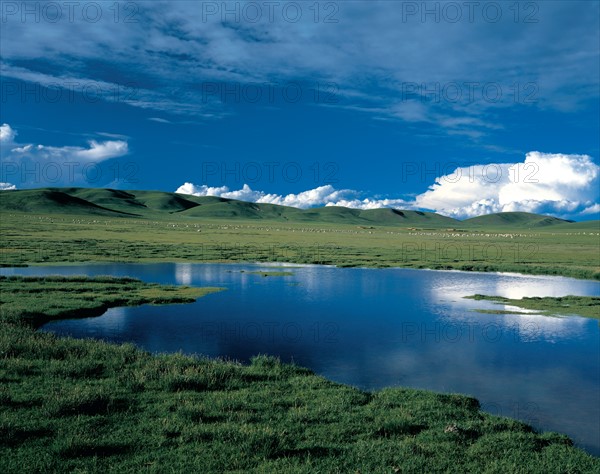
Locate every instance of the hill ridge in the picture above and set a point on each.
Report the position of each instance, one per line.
(143, 203)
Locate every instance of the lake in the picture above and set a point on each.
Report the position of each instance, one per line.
(375, 328)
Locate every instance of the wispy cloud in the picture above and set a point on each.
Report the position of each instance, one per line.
(383, 61)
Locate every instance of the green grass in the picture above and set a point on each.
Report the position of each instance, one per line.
(37, 300)
(587, 306)
(38, 229)
(70, 405)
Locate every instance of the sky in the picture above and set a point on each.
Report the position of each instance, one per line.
(462, 108)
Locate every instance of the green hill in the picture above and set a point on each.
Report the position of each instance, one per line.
(157, 204)
(164, 202)
(513, 220)
(110, 198)
(53, 201)
(408, 218)
(220, 208)
(586, 226)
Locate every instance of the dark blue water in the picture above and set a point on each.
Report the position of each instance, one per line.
(378, 328)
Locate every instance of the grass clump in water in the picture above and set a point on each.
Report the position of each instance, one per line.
(587, 306)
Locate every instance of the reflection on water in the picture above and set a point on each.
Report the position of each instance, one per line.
(376, 328)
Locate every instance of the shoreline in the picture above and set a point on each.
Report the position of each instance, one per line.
(144, 261)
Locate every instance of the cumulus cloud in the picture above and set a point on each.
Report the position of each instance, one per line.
(594, 209)
(7, 187)
(321, 196)
(37, 164)
(558, 184)
(7, 134)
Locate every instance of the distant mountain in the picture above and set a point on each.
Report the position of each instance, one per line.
(158, 204)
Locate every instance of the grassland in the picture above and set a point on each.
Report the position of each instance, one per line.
(30, 238)
(71, 405)
(587, 306)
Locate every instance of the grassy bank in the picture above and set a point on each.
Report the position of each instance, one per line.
(71, 405)
(587, 306)
(37, 300)
(30, 239)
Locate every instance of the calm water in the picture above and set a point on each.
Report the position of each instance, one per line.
(377, 328)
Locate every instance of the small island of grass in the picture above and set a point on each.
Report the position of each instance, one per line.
(587, 306)
(268, 273)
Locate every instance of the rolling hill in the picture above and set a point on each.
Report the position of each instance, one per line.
(513, 220)
(50, 201)
(158, 204)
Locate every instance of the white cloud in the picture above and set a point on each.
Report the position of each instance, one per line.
(559, 184)
(203, 190)
(7, 187)
(546, 183)
(7, 134)
(103, 151)
(96, 152)
(321, 196)
(371, 203)
(36, 164)
(594, 209)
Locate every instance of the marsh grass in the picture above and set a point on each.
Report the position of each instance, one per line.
(587, 306)
(268, 273)
(37, 300)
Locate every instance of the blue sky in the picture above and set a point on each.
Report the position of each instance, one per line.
(456, 107)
